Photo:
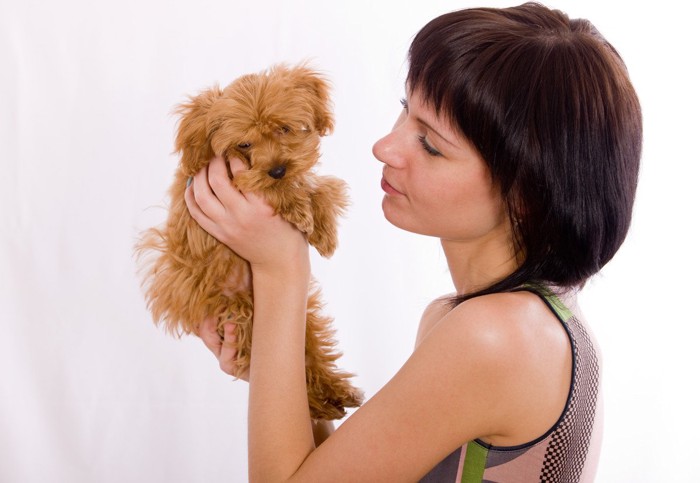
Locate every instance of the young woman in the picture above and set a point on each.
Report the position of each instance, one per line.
(518, 146)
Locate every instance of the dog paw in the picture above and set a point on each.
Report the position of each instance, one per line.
(323, 243)
(303, 220)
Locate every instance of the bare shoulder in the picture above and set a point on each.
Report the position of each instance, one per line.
(435, 311)
(501, 311)
(491, 368)
(524, 353)
(504, 314)
(512, 327)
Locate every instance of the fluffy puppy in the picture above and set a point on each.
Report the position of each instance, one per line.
(273, 121)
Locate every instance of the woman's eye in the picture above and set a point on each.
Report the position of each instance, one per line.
(404, 103)
(428, 148)
(244, 145)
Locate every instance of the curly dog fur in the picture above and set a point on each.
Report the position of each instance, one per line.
(273, 121)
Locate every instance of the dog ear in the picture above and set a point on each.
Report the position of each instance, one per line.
(318, 89)
(193, 140)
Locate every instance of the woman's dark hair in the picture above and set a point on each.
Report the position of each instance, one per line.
(548, 104)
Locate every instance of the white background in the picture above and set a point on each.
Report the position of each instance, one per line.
(92, 391)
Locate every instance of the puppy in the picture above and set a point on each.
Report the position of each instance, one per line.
(273, 121)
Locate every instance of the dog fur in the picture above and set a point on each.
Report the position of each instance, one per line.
(272, 120)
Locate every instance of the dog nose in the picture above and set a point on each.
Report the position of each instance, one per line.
(278, 171)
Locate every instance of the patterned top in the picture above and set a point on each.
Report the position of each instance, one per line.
(568, 452)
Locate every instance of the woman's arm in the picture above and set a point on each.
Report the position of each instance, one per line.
(225, 352)
(280, 435)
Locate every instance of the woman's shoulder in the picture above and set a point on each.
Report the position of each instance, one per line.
(507, 323)
(515, 349)
(435, 311)
(507, 314)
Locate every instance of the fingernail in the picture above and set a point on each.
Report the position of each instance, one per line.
(189, 182)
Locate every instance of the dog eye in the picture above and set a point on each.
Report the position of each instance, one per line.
(244, 145)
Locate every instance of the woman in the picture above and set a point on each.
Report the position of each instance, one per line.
(518, 146)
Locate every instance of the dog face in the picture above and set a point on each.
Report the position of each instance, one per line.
(273, 121)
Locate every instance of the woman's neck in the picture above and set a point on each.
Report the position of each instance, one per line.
(476, 264)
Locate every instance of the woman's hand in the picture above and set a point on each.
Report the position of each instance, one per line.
(244, 221)
(275, 249)
(224, 349)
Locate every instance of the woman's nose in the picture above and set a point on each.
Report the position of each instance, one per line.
(390, 150)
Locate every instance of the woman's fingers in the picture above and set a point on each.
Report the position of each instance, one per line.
(211, 198)
(204, 195)
(210, 336)
(237, 165)
(227, 354)
(220, 184)
(198, 213)
(224, 349)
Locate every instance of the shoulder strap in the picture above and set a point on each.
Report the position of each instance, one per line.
(550, 298)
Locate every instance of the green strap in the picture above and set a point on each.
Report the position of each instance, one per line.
(474, 463)
(557, 305)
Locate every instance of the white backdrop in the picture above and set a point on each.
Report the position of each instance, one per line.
(91, 391)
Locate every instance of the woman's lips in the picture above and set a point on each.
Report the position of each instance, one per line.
(388, 189)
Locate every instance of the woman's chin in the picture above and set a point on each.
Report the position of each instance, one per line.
(393, 215)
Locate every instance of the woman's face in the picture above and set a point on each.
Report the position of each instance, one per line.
(435, 181)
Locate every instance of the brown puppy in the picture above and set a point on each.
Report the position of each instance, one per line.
(273, 121)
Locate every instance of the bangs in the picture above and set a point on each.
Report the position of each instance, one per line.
(434, 70)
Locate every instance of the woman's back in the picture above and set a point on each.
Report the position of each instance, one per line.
(566, 452)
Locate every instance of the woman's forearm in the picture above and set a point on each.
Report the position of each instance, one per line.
(279, 434)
